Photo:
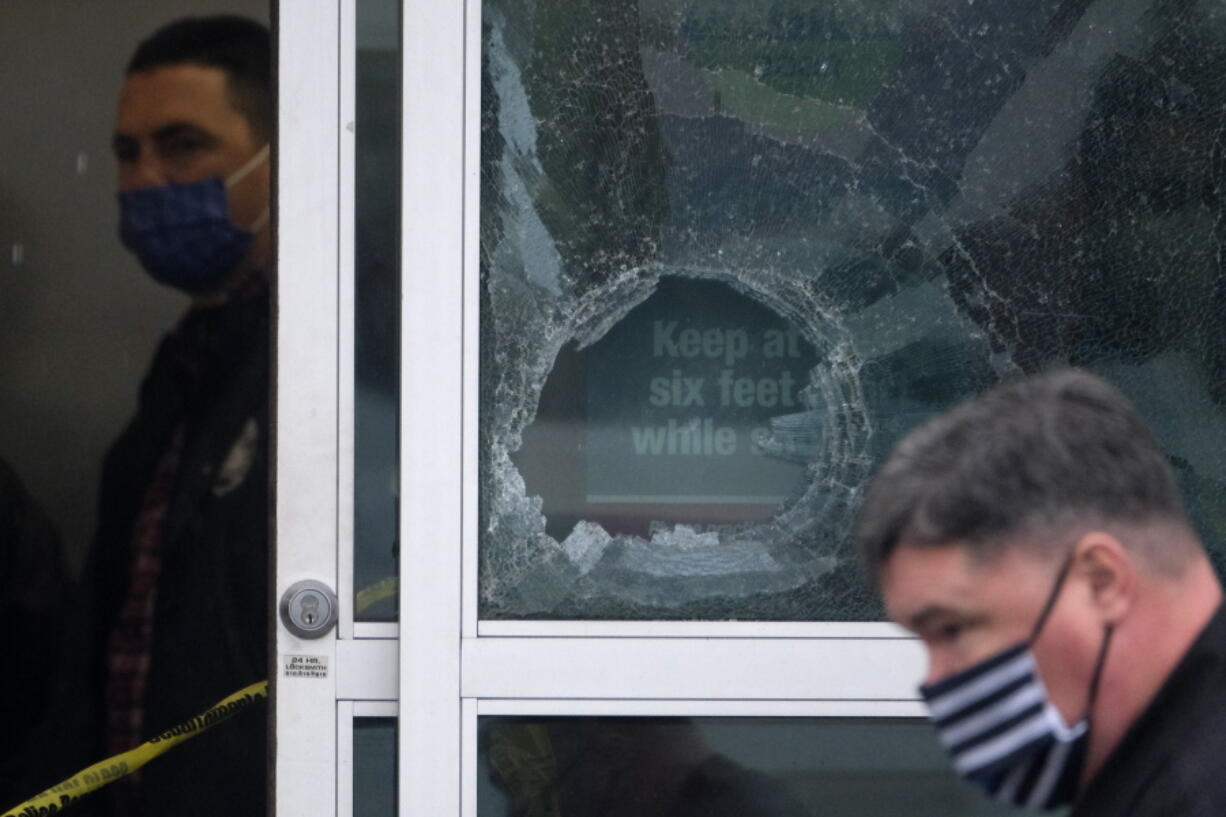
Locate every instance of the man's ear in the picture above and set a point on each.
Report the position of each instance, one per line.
(1110, 572)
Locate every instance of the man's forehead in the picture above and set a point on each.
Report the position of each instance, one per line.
(955, 576)
(913, 574)
(918, 579)
(181, 93)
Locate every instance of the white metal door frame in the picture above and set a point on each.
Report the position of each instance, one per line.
(449, 668)
(433, 357)
(313, 440)
(305, 440)
(455, 667)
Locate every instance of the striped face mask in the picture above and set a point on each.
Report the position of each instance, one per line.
(1003, 732)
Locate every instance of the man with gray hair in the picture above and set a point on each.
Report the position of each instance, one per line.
(1034, 540)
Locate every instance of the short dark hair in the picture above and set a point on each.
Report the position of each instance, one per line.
(1064, 447)
(239, 46)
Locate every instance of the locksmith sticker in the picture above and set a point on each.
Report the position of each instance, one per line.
(306, 666)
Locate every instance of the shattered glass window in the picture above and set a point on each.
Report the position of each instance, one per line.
(731, 251)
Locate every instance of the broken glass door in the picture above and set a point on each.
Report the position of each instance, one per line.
(730, 252)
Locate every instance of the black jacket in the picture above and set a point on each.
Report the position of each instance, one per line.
(1172, 761)
(210, 622)
(33, 589)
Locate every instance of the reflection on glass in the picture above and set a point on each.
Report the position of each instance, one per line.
(377, 270)
(739, 767)
(374, 767)
(925, 197)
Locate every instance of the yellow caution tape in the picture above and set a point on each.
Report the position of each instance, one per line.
(378, 591)
(522, 755)
(61, 796)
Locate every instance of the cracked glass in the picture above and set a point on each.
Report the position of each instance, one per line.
(731, 251)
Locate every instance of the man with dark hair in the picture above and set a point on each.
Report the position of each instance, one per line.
(1035, 541)
(191, 138)
(178, 571)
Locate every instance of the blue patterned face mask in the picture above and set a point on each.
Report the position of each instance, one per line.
(182, 233)
(1002, 731)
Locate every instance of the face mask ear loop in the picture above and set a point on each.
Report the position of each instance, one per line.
(251, 164)
(1108, 631)
(242, 173)
(260, 221)
(1051, 600)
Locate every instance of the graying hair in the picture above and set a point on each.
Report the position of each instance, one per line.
(1030, 454)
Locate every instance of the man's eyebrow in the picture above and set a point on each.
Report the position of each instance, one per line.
(176, 129)
(166, 133)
